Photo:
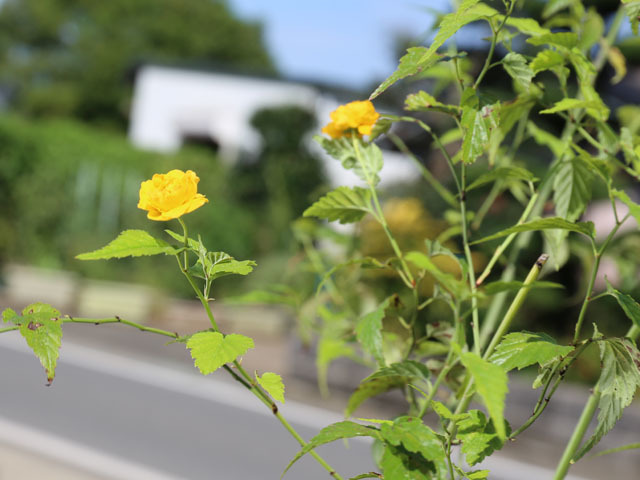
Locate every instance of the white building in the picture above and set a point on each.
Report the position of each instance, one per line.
(172, 104)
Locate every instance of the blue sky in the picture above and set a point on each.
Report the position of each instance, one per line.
(342, 42)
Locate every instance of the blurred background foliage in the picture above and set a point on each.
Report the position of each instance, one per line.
(77, 57)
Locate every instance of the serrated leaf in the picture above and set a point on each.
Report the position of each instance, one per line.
(211, 350)
(130, 243)
(527, 26)
(414, 61)
(336, 431)
(419, 59)
(521, 349)
(632, 9)
(415, 437)
(347, 205)
(491, 384)
(560, 39)
(595, 108)
(493, 288)
(572, 188)
(40, 326)
(407, 369)
(9, 315)
(634, 208)
(441, 410)
(546, 60)
(518, 68)
(422, 101)
(370, 389)
(369, 332)
(552, 223)
(627, 303)
(219, 264)
(399, 464)
(272, 383)
(619, 379)
(478, 436)
(478, 124)
(502, 173)
(366, 162)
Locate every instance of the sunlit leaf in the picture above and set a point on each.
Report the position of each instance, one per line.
(130, 243)
(552, 223)
(521, 349)
(491, 384)
(572, 188)
(211, 350)
(347, 205)
(272, 383)
(478, 436)
(479, 124)
(369, 332)
(422, 101)
(518, 68)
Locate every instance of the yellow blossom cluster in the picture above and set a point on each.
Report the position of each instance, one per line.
(170, 195)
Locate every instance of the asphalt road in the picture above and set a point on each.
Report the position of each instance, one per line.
(122, 417)
(131, 420)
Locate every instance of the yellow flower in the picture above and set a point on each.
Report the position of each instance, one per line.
(170, 195)
(358, 115)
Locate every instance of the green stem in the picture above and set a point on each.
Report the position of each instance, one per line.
(102, 321)
(578, 433)
(516, 304)
(9, 329)
(475, 322)
(492, 47)
(486, 205)
(380, 216)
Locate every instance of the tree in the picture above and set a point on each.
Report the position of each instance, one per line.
(72, 57)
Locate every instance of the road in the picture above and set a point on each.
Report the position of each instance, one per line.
(122, 417)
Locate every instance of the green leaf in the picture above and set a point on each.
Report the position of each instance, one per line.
(415, 61)
(276, 294)
(331, 433)
(491, 384)
(572, 188)
(521, 349)
(560, 39)
(369, 332)
(41, 327)
(552, 223)
(366, 161)
(399, 464)
(502, 173)
(528, 26)
(518, 68)
(272, 383)
(546, 60)
(422, 101)
(634, 208)
(130, 243)
(407, 369)
(219, 264)
(627, 303)
(595, 108)
(347, 205)
(370, 389)
(478, 124)
(330, 349)
(447, 280)
(632, 9)
(415, 437)
(419, 59)
(493, 288)
(619, 379)
(478, 436)
(211, 350)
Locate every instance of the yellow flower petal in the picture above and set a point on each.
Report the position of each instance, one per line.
(171, 195)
